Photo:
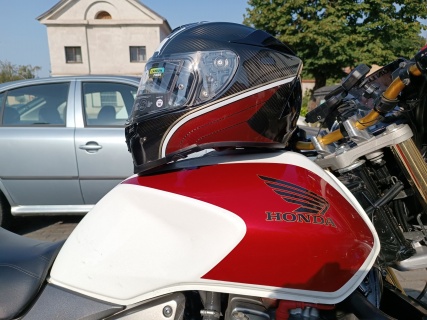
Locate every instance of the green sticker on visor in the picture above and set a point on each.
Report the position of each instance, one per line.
(156, 72)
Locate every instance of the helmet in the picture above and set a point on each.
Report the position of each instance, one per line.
(214, 85)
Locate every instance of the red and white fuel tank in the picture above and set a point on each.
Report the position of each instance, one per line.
(268, 224)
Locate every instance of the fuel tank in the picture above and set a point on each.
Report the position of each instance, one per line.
(264, 224)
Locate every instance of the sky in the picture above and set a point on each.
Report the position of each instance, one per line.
(23, 39)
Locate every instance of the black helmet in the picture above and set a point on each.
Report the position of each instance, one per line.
(213, 85)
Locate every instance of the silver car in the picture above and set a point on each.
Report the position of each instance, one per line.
(62, 143)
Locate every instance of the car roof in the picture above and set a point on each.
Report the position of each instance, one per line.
(17, 83)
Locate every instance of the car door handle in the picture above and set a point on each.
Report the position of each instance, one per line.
(90, 146)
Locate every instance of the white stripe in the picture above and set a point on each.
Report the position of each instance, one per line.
(216, 106)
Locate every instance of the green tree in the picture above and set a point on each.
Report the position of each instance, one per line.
(329, 35)
(11, 72)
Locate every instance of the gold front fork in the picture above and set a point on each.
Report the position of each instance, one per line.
(414, 167)
(392, 279)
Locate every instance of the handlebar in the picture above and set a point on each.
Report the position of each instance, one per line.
(388, 101)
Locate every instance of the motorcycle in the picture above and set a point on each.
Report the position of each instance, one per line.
(310, 232)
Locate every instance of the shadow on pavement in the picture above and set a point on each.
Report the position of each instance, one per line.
(45, 228)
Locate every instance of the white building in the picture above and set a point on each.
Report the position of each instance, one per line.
(102, 37)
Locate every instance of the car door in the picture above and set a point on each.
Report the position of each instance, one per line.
(102, 155)
(38, 168)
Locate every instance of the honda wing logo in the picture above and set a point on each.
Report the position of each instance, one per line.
(311, 206)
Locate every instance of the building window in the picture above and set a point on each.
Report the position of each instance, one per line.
(137, 54)
(103, 15)
(73, 54)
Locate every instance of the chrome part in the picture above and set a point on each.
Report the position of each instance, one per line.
(51, 210)
(210, 314)
(394, 134)
(322, 149)
(170, 306)
(375, 157)
(406, 81)
(245, 307)
(355, 134)
(343, 148)
(212, 304)
(352, 166)
(167, 311)
(414, 168)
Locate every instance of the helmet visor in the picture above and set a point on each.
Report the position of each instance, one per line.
(172, 83)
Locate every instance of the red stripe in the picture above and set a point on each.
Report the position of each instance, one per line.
(227, 123)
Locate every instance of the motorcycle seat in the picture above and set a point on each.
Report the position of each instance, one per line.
(24, 265)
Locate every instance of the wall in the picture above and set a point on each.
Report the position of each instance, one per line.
(104, 43)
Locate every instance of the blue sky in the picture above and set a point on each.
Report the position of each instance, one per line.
(23, 40)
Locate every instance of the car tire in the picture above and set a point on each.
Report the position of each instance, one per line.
(5, 215)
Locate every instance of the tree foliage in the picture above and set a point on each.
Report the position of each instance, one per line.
(11, 72)
(329, 35)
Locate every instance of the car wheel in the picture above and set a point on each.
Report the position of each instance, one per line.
(5, 215)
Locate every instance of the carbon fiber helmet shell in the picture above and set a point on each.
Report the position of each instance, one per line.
(211, 85)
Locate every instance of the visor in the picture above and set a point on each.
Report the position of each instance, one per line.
(172, 83)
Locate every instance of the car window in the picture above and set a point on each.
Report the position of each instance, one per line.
(43, 104)
(107, 103)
